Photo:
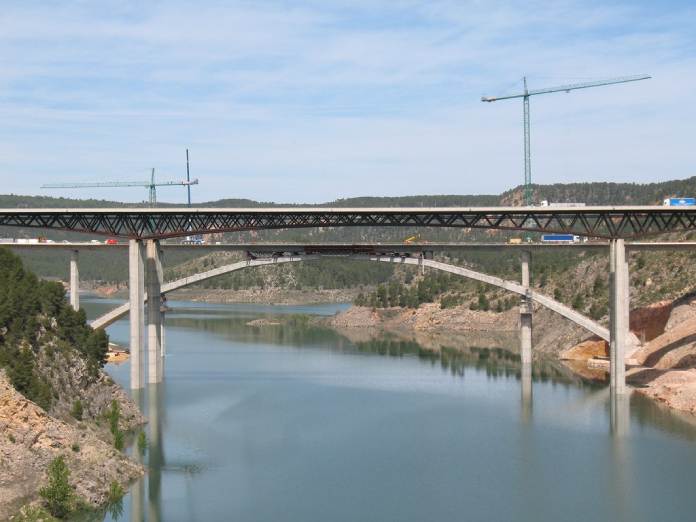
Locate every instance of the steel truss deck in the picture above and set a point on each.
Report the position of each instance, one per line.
(599, 222)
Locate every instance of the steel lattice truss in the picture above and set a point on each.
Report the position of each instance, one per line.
(600, 222)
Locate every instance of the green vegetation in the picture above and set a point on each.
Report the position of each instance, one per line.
(33, 514)
(58, 494)
(116, 492)
(113, 415)
(142, 443)
(77, 410)
(34, 315)
(602, 193)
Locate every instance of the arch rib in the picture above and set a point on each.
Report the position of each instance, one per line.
(511, 286)
(115, 314)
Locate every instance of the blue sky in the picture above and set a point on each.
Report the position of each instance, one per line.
(312, 101)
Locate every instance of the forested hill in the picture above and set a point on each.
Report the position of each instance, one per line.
(602, 193)
(35, 321)
(595, 193)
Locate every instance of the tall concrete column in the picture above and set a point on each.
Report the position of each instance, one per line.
(526, 314)
(74, 281)
(136, 291)
(154, 316)
(618, 315)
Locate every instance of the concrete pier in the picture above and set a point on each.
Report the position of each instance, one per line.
(620, 414)
(619, 306)
(526, 392)
(136, 291)
(526, 314)
(74, 281)
(154, 316)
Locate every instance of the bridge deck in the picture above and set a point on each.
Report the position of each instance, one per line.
(599, 221)
(340, 248)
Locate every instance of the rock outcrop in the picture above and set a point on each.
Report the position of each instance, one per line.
(30, 438)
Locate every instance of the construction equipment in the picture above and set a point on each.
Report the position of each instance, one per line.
(150, 185)
(188, 180)
(525, 102)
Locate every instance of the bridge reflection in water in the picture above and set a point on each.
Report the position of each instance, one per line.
(172, 474)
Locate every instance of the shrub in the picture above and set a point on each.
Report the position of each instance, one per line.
(75, 447)
(115, 500)
(142, 442)
(113, 415)
(58, 494)
(578, 302)
(77, 410)
(119, 440)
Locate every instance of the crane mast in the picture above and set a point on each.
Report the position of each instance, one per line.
(525, 95)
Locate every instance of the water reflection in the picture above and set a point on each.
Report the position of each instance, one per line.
(619, 414)
(138, 489)
(526, 392)
(286, 434)
(155, 452)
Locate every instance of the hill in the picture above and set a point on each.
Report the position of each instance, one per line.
(54, 396)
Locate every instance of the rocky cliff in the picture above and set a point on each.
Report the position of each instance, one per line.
(30, 438)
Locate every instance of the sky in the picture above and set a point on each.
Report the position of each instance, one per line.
(310, 101)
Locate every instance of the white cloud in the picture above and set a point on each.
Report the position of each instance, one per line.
(333, 99)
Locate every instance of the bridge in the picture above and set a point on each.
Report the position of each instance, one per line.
(147, 230)
(511, 286)
(608, 222)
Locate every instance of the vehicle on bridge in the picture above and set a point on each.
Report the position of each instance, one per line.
(193, 240)
(679, 202)
(560, 238)
(546, 203)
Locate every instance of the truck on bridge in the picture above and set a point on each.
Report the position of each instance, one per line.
(560, 238)
(679, 202)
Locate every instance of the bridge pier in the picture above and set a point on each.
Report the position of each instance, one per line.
(74, 281)
(154, 315)
(526, 313)
(136, 291)
(618, 315)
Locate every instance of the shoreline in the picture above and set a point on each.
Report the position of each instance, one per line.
(433, 327)
(673, 386)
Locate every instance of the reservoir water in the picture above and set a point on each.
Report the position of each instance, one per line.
(295, 422)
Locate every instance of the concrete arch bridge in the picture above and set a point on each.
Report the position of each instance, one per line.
(528, 296)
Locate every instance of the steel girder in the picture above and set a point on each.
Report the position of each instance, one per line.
(600, 222)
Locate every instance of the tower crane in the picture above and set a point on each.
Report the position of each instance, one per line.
(525, 103)
(151, 185)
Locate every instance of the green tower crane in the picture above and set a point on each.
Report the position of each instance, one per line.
(150, 185)
(525, 103)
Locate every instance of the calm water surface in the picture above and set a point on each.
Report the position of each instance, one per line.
(297, 423)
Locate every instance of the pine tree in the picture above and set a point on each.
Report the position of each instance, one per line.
(58, 494)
